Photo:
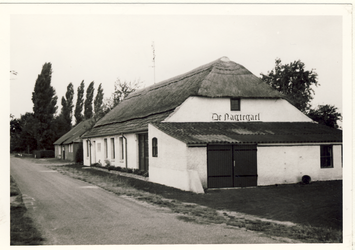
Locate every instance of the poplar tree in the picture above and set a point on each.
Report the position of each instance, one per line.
(67, 106)
(79, 104)
(88, 113)
(44, 107)
(98, 102)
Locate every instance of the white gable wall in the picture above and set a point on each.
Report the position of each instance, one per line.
(203, 109)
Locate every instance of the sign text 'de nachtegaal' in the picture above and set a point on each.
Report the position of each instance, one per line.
(235, 117)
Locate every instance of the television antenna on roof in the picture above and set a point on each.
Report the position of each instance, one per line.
(153, 47)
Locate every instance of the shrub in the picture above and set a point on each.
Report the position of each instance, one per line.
(108, 163)
(129, 170)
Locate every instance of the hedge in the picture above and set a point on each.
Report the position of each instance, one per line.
(43, 154)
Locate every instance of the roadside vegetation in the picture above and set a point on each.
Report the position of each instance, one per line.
(302, 220)
(22, 228)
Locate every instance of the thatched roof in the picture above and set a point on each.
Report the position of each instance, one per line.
(75, 133)
(220, 78)
(249, 132)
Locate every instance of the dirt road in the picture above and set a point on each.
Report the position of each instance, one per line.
(72, 212)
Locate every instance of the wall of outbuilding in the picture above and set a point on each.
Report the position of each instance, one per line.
(58, 151)
(172, 166)
(287, 164)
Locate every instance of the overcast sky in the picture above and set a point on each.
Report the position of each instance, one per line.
(93, 45)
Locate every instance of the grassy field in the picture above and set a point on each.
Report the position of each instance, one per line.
(314, 210)
(22, 228)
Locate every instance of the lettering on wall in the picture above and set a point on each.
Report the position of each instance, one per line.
(235, 117)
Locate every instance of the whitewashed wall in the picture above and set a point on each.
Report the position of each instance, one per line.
(132, 151)
(170, 167)
(203, 109)
(197, 160)
(98, 152)
(287, 164)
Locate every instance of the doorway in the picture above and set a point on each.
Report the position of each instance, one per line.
(143, 152)
(231, 166)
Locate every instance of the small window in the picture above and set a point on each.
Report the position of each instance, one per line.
(326, 156)
(113, 148)
(105, 145)
(235, 104)
(155, 147)
(122, 148)
(98, 147)
(87, 148)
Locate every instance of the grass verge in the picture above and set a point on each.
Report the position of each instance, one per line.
(197, 213)
(22, 228)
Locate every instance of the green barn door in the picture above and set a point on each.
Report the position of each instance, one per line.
(245, 165)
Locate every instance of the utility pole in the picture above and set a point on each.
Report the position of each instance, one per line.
(153, 47)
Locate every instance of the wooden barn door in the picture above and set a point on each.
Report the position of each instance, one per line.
(231, 166)
(219, 166)
(245, 166)
(143, 151)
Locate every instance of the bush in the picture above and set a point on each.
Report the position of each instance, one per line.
(108, 163)
(43, 154)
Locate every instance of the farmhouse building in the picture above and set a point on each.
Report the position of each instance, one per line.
(216, 126)
(66, 147)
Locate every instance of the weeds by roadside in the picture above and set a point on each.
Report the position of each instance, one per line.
(22, 228)
(200, 214)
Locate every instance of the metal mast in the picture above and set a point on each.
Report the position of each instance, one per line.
(153, 47)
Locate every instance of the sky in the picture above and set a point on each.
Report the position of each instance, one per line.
(105, 43)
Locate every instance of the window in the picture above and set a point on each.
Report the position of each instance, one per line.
(98, 147)
(155, 147)
(112, 148)
(235, 104)
(122, 148)
(87, 148)
(105, 145)
(326, 156)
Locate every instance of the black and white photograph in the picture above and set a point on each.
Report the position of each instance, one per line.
(164, 124)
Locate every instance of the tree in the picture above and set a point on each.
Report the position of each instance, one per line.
(98, 108)
(15, 134)
(79, 104)
(293, 81)
(44, 107)
(22, 133)
(326, 115)
(67, 106)
(88, 101)
(122, 90)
